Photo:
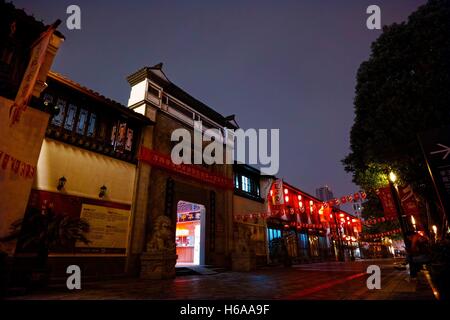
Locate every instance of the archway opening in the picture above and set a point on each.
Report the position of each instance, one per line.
(190, 233)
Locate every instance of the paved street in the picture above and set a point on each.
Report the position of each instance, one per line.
(330, 280)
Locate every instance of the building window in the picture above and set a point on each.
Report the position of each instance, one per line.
(82, 119)
(91, 126)
(59, 118)
(153, 91)
(236, 182)
(70, 119)
(246, 185)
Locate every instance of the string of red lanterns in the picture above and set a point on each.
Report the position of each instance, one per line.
(357, 196)
(382, 234)
(378, 220)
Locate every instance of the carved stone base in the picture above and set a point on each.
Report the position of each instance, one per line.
(158, 265)
(243, 262)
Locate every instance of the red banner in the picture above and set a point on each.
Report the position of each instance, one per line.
(160, 160)
(408, 200)
(385, 196)
(31, 75)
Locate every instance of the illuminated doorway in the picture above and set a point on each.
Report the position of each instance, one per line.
(190, 233)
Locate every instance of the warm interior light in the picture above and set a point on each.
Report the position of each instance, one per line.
(348, 218)
(311, 203)
(271, 192)
(299, 197)
(341, 215)
(331, 216)
(413, 221)
(182, 232)
(300, 204)
(392, 177)
(286, 198)
(285, 191)
(434, 229)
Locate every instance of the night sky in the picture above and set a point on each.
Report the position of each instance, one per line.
(275, 64)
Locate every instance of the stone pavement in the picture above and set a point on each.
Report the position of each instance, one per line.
(318, 281)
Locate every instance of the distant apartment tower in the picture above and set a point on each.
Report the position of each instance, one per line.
(324, 193)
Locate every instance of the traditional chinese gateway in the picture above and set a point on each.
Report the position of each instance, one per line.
(110, 164)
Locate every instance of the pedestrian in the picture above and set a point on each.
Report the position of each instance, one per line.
(419, 252)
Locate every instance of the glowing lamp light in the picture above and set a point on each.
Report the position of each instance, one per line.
(348, 222)
(413, 221)
(341, 215)
(354, 220)
(342, 219)
(331, 216)
(311, 203)
(353, 239)
(271, 192)
(300, 204)
(434, 229)
(286, 191)
(299, 197)
(286, 226)
(286, 198)
(348, 218)
(392, 177)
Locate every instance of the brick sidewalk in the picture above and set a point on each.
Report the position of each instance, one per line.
(319, 281)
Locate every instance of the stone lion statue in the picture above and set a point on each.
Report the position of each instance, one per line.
(162, 235)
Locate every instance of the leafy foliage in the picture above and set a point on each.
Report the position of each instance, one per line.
(47, 229)
(401, 90)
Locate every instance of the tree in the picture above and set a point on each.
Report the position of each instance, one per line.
(403, 89)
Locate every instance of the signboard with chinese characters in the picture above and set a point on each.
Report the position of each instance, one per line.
(108, 229)
(436, 148)
(278, 197)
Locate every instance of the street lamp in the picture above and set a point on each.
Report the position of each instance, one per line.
(392, 178)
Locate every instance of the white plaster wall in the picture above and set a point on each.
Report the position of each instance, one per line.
(85, 172)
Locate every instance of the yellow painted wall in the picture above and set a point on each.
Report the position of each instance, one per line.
(85, 172)
(22, 141)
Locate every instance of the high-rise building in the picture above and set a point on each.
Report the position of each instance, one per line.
(324, 193)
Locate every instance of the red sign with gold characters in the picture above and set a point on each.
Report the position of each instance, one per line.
(160, 160)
